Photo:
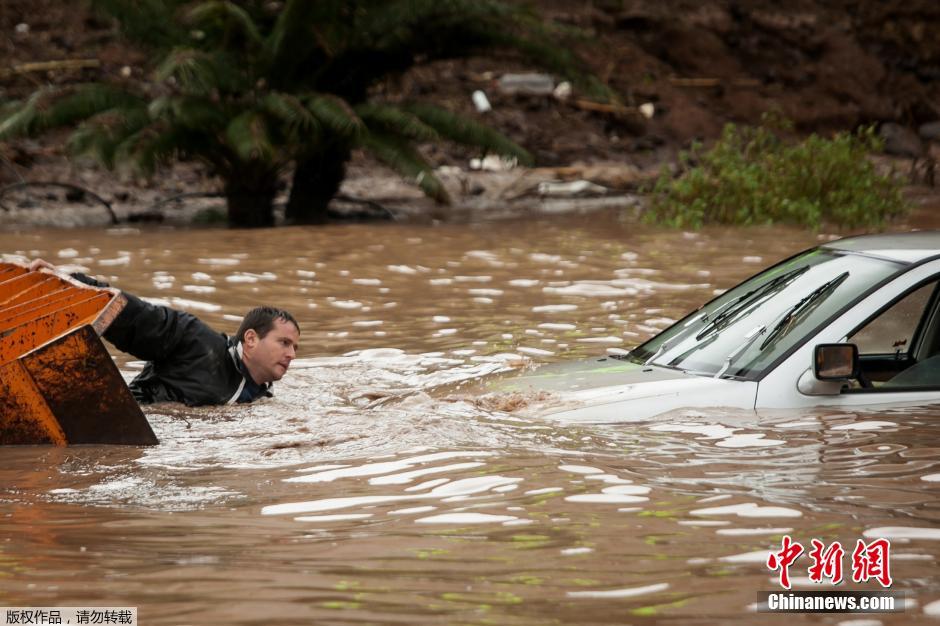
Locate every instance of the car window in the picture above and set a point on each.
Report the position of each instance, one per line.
(742, 333)
(892, 331)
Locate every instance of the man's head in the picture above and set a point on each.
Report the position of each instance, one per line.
(269, 339)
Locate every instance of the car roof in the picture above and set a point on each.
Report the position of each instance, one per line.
(902, 247)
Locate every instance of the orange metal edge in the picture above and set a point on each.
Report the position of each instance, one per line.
(110, 311)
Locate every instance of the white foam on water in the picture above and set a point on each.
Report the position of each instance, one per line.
(407, 477)
(633, 490)
(608, 478)
(534, 351)
(723, 496)
(758, 556)
(931, 478)
(749, 509)
(902, 532)
(575, 551)
(465, 518)
(195, 305)
(610, 339)
(580, 469)
(752, 440)
(386, 467)
(907, 556)
(332, 518)
(709, 431)
(555, 308)
(413, 510)
(605, 498)
(346, 304)
(523, 282)
(932, 608)
(538, 492)
(430, 484)
(703, 522)
(866, 425)
(620, 593)
(219, 261)
(747, 532)
(552, 326)
(860, 622)
(591, 290)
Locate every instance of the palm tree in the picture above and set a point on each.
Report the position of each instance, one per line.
(251, 91)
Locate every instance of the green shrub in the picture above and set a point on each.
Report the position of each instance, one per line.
(753, 176)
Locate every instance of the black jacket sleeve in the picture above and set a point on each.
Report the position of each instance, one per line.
(150, 332)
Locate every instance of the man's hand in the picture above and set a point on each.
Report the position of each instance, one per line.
(38, 264)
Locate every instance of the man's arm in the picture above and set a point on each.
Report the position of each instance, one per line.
(149, 332)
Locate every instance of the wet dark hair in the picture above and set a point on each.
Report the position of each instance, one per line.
(261, 320)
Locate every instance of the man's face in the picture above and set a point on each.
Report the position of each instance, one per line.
(267, 359)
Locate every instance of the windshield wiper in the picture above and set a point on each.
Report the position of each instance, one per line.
(734, 308)
(748, 340)
(802, 306)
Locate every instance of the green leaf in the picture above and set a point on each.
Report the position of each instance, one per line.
(336, 115)
(247, 136)
(226, 14)
(290, 110)
(468, 132)
(403, 158)
(393, 120)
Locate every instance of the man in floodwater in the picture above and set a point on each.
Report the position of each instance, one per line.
(189, 362)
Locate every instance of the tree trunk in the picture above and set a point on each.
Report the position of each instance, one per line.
(250, 199)
(317, 178)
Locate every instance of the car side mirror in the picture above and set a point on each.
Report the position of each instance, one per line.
(836, 361)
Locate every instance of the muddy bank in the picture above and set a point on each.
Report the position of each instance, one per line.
(693, 66)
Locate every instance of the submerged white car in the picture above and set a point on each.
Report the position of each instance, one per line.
(851, 323)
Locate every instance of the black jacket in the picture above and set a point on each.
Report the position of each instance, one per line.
(187, 361)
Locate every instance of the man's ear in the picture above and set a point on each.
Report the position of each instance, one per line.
(251, 338)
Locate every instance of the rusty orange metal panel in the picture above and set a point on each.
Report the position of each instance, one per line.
(13, 287)
(50, 301)
(84, 305)
(36, 290)
(58, 383)
(85, 391)
(25, 418)
(18, 340)
(8, 270)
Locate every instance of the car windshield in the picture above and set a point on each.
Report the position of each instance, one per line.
(742, 332)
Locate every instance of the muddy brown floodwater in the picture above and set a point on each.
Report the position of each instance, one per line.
(358, 496)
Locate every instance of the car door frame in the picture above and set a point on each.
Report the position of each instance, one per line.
(780, 387)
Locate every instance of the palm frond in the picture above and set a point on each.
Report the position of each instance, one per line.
(225, 16)
(248, 137)
(150, 147)
(20, 116)
(148, 22)
(191, 112)
(336, 115)
(101, 134)
(404, 159)
(290, 110)
(200, 72)
(53, 107)
(468, 132)
(299, 32)
(393, 120)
